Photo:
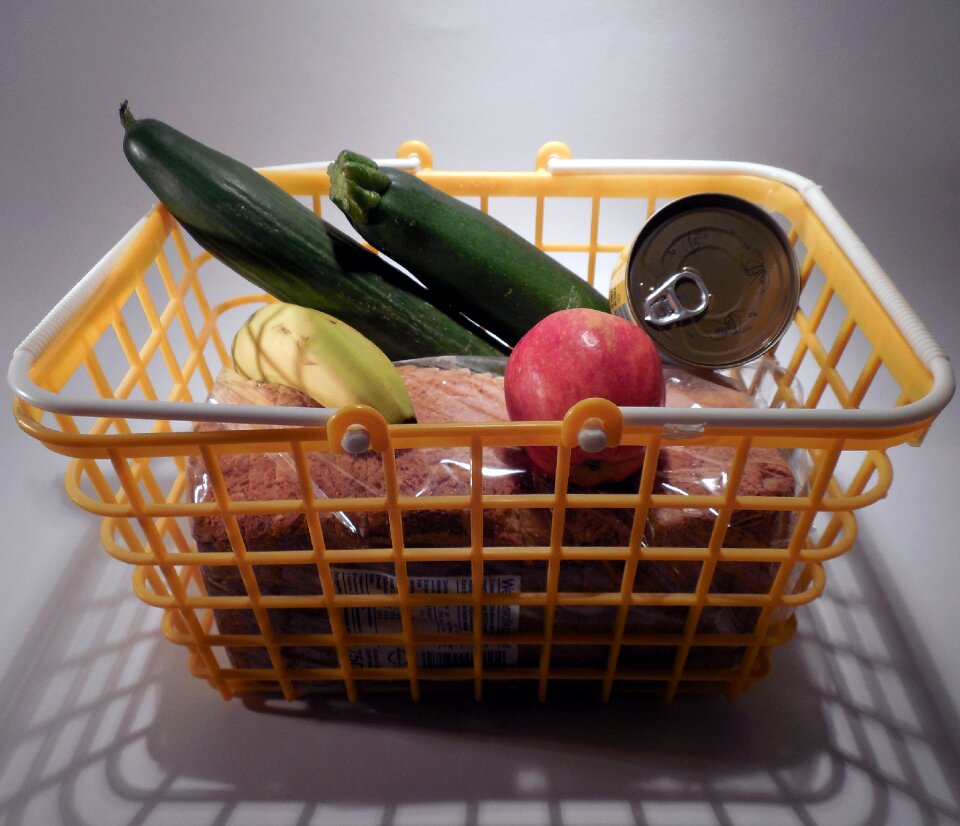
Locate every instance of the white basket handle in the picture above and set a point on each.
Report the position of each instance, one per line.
(930, 352)
(889, 296)
(30, 349)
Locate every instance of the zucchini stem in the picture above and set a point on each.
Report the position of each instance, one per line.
(356, 184)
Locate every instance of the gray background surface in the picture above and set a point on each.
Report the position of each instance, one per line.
(861, 97)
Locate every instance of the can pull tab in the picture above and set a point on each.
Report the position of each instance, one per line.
(664, 306)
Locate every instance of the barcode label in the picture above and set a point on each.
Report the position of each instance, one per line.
(427, 619)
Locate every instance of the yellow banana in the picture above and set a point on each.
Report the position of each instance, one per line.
(322, 357)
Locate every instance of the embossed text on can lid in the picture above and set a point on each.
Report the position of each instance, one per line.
(713, 280)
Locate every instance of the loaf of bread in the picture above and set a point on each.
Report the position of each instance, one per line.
(461, 395)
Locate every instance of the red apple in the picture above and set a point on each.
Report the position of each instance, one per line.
(579, 354)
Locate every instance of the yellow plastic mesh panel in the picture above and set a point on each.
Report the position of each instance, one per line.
(312, 612)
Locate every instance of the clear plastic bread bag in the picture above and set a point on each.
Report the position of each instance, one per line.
(471, 390)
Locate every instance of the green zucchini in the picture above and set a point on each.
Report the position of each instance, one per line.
(283, 247)
(499, 279)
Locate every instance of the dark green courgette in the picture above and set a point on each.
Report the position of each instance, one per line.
(497, 278)
(277, 243)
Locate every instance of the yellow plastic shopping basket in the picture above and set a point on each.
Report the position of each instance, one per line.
(119, 371)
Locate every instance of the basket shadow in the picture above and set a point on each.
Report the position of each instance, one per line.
(100, 715)
(630, 727)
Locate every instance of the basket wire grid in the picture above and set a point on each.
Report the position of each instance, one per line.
(147, 330)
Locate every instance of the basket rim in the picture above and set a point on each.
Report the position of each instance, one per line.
(554, 158)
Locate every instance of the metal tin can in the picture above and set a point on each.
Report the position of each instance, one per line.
(711, 278)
